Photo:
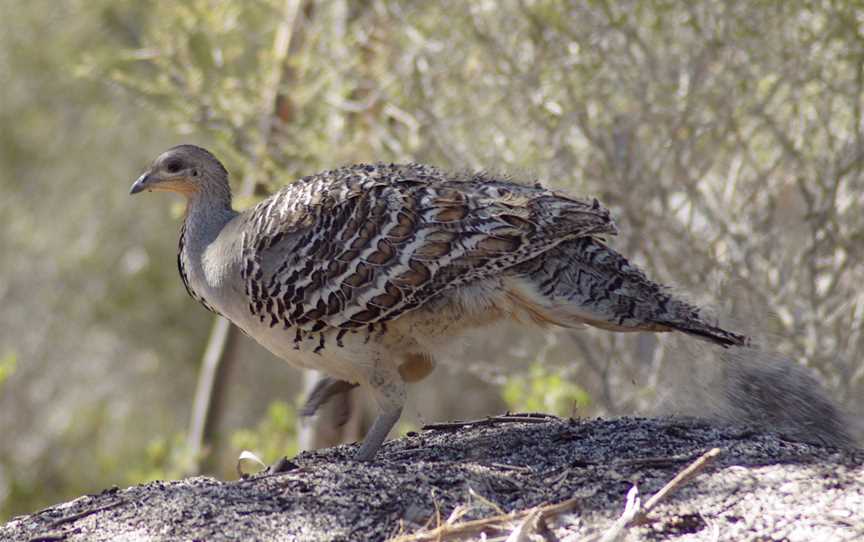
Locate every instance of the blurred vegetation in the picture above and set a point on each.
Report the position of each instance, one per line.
(7, 367)
(275, 435)
(727, 137)
(544, 390)
(165, 457)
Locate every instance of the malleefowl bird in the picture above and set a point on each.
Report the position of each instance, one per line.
(370, 272)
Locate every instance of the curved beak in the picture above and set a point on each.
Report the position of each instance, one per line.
(142, 183)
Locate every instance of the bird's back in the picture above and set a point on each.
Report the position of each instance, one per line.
(364, 244)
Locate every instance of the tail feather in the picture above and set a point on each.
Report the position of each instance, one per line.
(594, 285)
(714, 334)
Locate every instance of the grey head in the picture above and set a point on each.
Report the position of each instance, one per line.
(188, 170)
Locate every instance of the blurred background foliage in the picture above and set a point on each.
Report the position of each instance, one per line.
(726, 136)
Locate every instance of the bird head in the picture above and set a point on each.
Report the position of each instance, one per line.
(185, 169)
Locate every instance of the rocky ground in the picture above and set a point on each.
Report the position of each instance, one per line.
(526, 477)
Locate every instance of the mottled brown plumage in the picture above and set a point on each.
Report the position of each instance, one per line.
(369, 272)
(361, 245)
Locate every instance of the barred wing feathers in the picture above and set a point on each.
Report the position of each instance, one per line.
(364, 244)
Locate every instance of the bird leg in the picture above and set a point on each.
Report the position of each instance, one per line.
(388, 390)
(376, 435)
(325, 390)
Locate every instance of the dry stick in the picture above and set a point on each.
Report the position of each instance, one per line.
(496, 522)
(209, 376)
(48, 537)
(680, 479)
(636, 514)
(660, 461)
(631, 509)
(491, 420)
(522, 532)
(85, 513)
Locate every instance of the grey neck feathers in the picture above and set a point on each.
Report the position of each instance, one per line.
(204, 253)
(206, 217)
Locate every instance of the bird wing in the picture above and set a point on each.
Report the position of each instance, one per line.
(363, 244)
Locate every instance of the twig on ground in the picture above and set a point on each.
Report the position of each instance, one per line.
(631, 509)
(661, 461)
(637, 514)
(523, 531)
(59, 535)
(75, 517)
(484, 500)
(491, 420)
(494, 522)
(634, 513)
(48, 537)
(503, 466)
(675, 483)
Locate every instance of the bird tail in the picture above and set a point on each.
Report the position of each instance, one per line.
(702, 330)
(583, 281)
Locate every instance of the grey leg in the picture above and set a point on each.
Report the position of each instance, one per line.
(376, 435)
(388, 389)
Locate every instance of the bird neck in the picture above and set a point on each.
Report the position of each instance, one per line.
(206, 216)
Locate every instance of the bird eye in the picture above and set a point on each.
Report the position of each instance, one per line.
(173, 166)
